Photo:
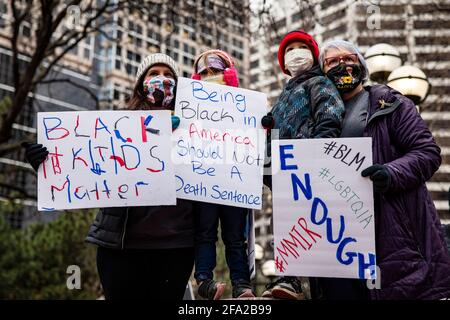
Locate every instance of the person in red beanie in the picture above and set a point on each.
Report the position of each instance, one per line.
(309, 107)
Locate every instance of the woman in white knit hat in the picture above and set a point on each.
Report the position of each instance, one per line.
(157, 243)
(143, 252)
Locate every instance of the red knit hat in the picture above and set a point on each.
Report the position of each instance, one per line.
(298, 35)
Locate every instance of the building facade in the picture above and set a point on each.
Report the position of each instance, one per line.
(99, 73)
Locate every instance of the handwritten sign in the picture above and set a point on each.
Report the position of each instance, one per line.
(219, 146)
(105, 159)
(323, 209)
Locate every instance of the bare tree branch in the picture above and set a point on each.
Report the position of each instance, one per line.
(74, 84)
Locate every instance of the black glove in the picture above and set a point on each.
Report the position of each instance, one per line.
(380, 176)
(35, 154)
(268, 122)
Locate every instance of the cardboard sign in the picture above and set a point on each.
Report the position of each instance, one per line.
(105, 159)
(323, 208)
(220, 144)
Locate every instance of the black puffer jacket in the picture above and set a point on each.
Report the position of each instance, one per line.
(158, 227)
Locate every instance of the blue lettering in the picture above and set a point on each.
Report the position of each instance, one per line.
(307, 190)
(330, 230)
(198, 91)
(235, 170)
(362, 266)
(340, 248)
(197, 167)
(316, 202)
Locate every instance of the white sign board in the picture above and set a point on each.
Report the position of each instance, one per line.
(219, 147)
(323, 210)
(105, 159)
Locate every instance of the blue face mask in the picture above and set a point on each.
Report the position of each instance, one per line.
(159, 90)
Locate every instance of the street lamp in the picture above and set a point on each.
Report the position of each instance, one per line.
(268, 268)
(381, 60)
(411, 82)
(385, 66)
(259, 252)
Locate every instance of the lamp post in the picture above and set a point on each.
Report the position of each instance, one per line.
(259, 252)
(268, 268)
(382, 59)
(385, 66)
(259, 280)
(411, 82)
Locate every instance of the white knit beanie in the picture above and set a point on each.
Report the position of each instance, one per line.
(157, 58)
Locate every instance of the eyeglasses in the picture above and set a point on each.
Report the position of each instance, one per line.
(334, 61)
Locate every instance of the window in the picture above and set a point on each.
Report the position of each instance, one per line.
(116, 94)
(254, 64)
(129, 68)
(280, 24)
(206, 41)
(296, 17)
(118, 51)
(238, 55)
(26, 30)
(254, 78)
(206, 30)
(190, 21)
(154, 18)
(3, 8)
(188, 61)
(138, 29)
(237, 43)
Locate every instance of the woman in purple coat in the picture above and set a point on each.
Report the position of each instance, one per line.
(411, 254)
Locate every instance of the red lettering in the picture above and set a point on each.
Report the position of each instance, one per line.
(210, 134)
(302, 223)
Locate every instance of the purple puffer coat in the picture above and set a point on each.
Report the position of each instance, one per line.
(411, 253)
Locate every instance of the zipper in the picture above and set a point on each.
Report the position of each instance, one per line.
(384, 111)
(124, 228)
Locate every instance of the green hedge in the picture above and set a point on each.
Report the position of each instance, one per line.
(34, 260)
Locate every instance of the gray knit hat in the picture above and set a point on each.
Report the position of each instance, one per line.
(157, 58)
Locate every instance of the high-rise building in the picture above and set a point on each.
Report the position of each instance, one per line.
(99, 73)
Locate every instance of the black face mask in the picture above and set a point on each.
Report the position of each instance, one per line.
(345, 80)
(158, 95)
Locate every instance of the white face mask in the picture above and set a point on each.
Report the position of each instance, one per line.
(298, 61)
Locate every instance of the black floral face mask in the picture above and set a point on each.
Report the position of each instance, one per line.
(345, 77)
